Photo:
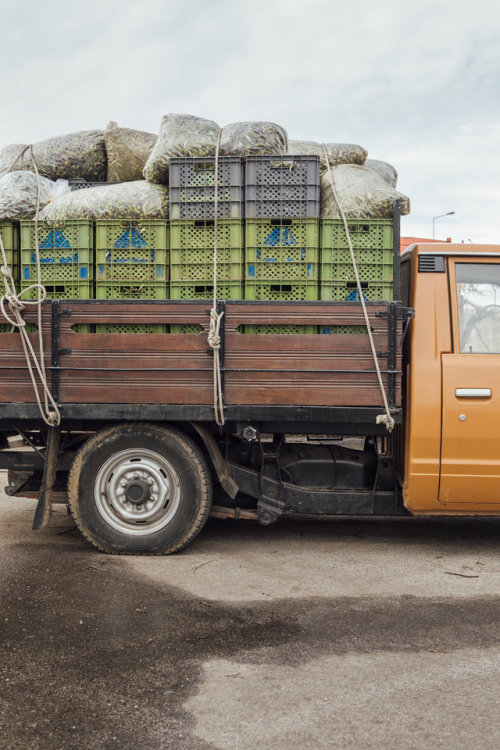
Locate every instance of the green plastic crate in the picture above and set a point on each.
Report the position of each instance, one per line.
(276, 291)
(372, 234)
(191, 328)
(280, 329)
(281, 250)
(343, 330)
(372, 241)
(131, 290)
(192, 251)
(74, 290)
(131, 251)
(9, 232)
(7, 328)
(347, 291)
(132, 328)
(66, 258)
(205, 290)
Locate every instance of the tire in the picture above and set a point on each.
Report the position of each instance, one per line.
(140, 489)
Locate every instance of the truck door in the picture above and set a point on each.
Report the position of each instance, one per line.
(470, 435)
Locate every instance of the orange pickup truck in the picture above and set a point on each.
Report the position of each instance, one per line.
(142, 462)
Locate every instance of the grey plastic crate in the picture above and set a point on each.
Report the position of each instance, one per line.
(282, 187)
(192, 188)
(78, 183)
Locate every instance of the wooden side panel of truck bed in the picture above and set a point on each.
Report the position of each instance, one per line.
(177, 368)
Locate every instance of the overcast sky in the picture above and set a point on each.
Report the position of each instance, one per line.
(417, 84)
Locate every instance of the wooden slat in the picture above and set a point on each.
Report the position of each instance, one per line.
(303, 313)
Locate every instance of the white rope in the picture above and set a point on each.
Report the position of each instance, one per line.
(16, 304)
(216, 317)
(386, 418)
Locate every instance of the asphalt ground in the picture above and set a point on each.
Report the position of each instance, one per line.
(338, 633)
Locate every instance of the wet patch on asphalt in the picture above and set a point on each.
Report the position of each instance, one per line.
(94, 657)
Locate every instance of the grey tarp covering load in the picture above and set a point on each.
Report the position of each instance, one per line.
(253, 139)
(127, 151)
(18, 194)
(361, 193)
(338, 153)
(384, 170)
(180, 135)
(81, 154)
(131, 200)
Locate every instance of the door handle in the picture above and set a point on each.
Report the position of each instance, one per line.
(473, 392)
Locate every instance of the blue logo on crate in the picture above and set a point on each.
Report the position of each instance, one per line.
(280, 233)
(354, 296)
(54, 239)
(131, 238)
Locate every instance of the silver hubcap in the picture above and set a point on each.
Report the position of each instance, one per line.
(137, 491)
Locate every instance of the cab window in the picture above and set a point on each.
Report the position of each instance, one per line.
(478, 298)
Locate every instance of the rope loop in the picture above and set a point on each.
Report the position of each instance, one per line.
(7, 272)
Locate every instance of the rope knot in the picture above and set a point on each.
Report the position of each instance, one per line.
(387, 420)
(214, 332)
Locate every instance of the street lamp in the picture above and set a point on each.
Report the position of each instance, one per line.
(450, 213)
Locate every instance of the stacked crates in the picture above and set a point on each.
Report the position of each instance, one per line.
(192, 230)
(282, 201)
(132, 264)
(372, 241)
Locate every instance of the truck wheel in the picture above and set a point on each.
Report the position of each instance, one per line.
(140, 488)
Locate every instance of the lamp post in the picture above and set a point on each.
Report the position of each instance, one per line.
(450, 213)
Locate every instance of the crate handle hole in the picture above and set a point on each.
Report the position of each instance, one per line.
(202, 289)
(281, 222)
(353, 285)
(281, 287)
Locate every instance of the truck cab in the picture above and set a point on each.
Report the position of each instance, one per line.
(452, 375)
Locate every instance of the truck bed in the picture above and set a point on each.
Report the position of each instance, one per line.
(322, 379)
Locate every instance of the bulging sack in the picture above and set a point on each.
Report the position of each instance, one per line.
(127, 152)
(384, 170)
(81, 154)
(186, 135)
(180, 135)
(253, 139)
(338, 153)
(131, 200)
(361, 193)
(19, 191)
